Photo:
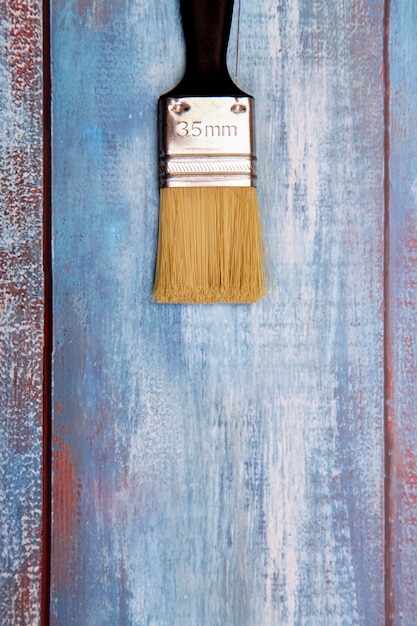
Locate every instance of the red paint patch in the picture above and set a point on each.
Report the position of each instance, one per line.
(409, 476)
(66, 494)
(98, 14)
(24, 47)
(410, 241)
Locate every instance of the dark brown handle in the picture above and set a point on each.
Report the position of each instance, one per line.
(206, 25)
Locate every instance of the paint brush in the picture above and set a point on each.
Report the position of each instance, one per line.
(210, 242)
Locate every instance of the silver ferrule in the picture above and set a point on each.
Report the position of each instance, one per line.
(207, 142)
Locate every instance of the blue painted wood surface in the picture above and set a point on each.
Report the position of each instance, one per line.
(208, 465)
(219, 465)
(21, 312)
(402, 322)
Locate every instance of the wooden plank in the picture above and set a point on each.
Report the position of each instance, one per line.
(220, 464)
(402, 328)
(21, 312)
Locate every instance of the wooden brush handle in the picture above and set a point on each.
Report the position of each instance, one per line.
(206, 25)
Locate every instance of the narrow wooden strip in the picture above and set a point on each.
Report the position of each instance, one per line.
(48, 313)
(402, 303)
(21, 312)
(387, 313)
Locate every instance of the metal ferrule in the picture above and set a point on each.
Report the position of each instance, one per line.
(206, 142)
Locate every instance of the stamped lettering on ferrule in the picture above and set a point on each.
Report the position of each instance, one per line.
(200, 129)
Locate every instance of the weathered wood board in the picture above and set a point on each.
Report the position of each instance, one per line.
(21, 312)
(220, 465)
(402, 320)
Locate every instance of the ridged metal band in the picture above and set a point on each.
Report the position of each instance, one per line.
(219, 171)
(206, 142)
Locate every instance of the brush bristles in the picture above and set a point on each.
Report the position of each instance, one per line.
(210, 246)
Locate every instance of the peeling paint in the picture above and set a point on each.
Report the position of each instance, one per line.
(21, 312)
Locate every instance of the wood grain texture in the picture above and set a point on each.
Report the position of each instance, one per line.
(402, 329)
(219, 465)
(21, 312)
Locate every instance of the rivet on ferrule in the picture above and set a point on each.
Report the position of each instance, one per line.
(238, 108)
(180, 107)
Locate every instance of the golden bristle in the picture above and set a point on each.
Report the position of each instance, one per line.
(210, 246)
